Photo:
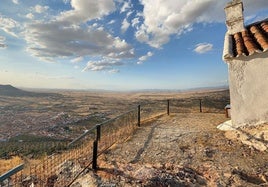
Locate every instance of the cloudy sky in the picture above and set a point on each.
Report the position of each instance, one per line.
(116, 44)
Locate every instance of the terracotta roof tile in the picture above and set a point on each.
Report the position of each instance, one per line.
(239, 44)
(264, 26)
(251, 46)
(254, 39)
(260, 36)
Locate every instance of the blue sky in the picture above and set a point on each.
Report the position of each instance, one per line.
(116, 44)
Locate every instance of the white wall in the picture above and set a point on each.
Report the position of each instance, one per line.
(248, 79)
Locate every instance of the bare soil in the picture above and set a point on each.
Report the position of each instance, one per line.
(183, 149)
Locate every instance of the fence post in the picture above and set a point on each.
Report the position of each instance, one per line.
(98, 132)
(139, 115)
(168, 107)
(95, 154)
(200, 105)
(95, 147)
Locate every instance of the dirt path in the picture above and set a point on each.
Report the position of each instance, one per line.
(181, 150)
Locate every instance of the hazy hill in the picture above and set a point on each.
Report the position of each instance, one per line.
(8, 90)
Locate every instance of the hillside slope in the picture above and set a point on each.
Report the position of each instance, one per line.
(8, 90)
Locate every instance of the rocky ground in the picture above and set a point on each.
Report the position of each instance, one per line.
(181, 150)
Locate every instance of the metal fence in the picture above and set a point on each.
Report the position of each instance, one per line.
(114, 131)
(67, 163)
(58, 169)
(152, 109)
(70, 160)
(204, 104)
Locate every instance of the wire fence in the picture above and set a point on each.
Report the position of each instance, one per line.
(205, 105)
(31, 148)
(116, 130)
(58, 169)
(70, 159)
(73, 158)
(153, 109)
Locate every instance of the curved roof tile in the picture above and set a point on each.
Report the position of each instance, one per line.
(254, 39)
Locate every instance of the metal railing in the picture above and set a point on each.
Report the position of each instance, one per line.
(64, 166)
(5, 179)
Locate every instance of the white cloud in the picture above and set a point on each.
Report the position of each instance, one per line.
(102, 65)
(111, 22)
(40, 9)
(49, 40)
(29, 16)
(3, 46)
(8, 25)
(95, 25)
(113, 71)
(125, 25)
(76, 67)
(78, 59)
(169, 17)
(2, 39)
(145, 57)
(172, 17)
(251, 7)
(126, 6)
(85, 10)
(60, 77)
(203, 48)
(254, 18)
(135, 22)
(63, 37)
(15, 2)
(2, 42)
(142, 35)
(66, 1)
(68, 34)
(129, 13)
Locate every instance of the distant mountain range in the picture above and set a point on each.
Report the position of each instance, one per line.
(8, 90)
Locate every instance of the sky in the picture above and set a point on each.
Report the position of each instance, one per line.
(116, 44)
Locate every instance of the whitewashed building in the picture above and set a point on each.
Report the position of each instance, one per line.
(246, 53)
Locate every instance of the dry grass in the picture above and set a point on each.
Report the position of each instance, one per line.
(6, 165)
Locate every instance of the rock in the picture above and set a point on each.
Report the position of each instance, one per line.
(169, 166)
(251, 178)
(200, 180)
(209, 152)
(51, 180)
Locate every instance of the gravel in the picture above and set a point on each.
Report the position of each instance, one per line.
(181, 150)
